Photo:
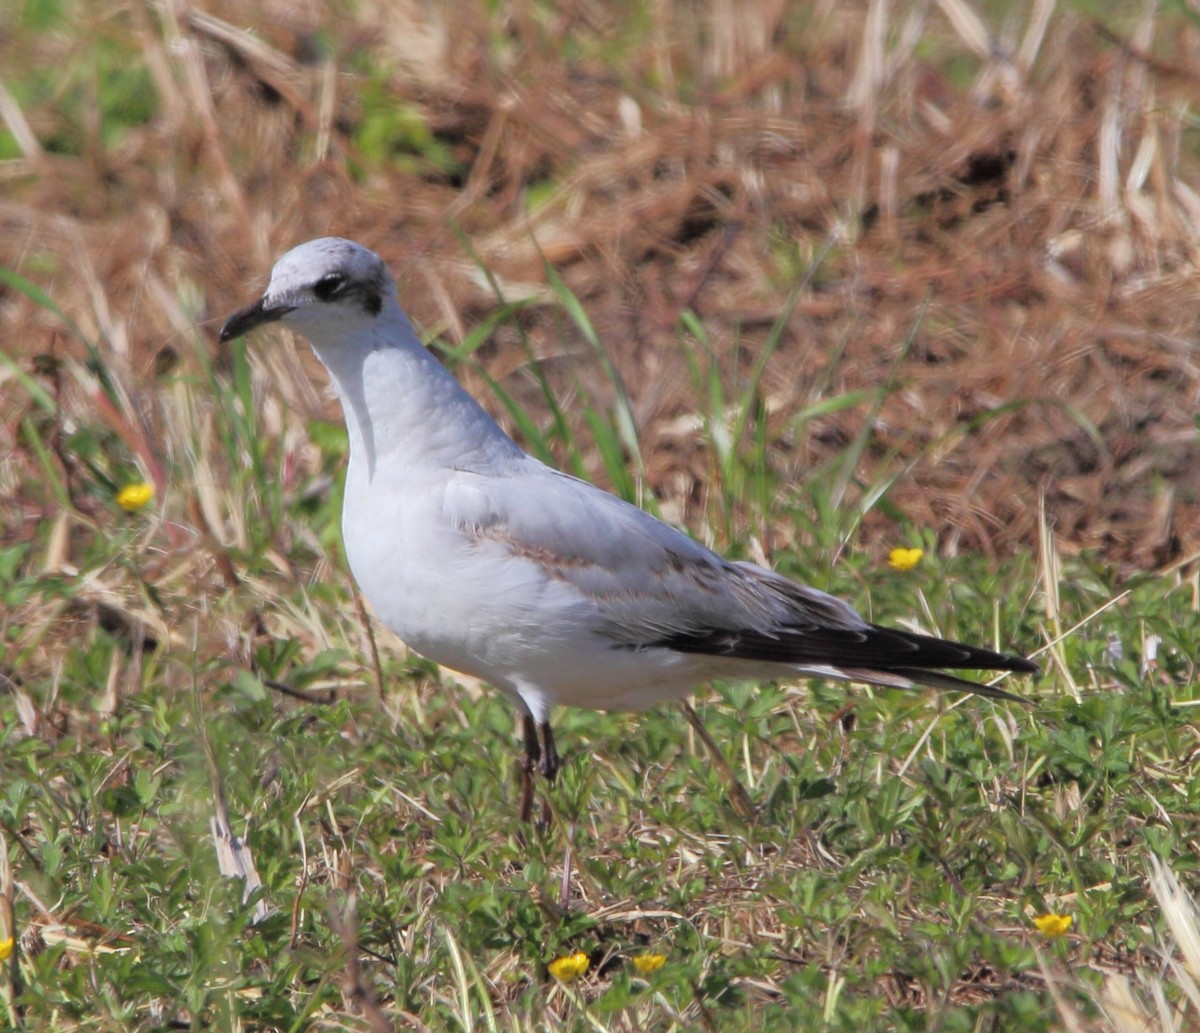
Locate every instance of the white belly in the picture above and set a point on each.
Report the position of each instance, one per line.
(472, 606)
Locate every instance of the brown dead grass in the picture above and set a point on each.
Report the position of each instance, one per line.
(1043, 200)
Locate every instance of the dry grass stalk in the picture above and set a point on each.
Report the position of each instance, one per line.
(1056, 240)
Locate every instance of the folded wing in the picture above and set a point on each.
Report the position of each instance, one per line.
(650, 586)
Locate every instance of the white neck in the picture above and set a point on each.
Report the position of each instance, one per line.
(402, 407)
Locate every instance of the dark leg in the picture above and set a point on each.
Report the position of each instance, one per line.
(532, 759)
(549, 763)
(548, 767)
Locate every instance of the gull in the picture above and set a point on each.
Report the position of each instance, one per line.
(488, 562)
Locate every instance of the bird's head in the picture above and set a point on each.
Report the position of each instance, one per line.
(316, 286)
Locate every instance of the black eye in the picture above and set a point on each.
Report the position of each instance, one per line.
(329, 287)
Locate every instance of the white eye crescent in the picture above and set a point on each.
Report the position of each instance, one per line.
(329, 287)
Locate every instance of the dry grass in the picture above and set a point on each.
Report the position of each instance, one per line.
(1036, 188)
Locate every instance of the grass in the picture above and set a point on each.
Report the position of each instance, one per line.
(190, 692)
(900, 845)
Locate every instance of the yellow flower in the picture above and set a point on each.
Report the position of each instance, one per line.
(570, 967)
(1052, 925)
(133, 497)
(6, 949)
(905, 559)
(647, 963)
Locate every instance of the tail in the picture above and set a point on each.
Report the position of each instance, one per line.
(907, 678)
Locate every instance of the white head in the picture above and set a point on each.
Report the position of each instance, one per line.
(322, 289)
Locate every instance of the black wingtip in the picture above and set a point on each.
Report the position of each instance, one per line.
(1017, 664)
(928, 651)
